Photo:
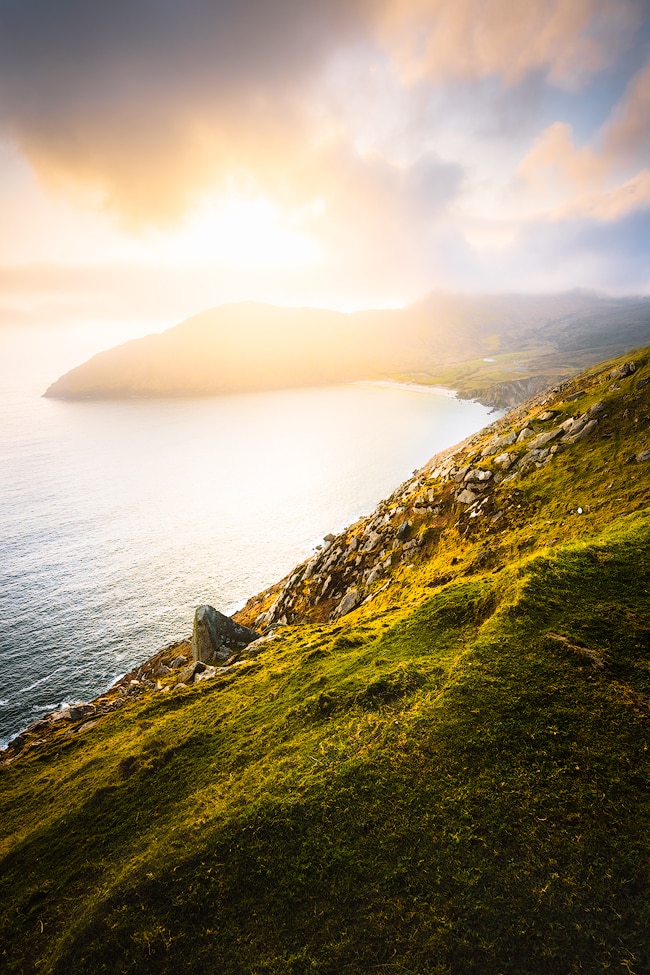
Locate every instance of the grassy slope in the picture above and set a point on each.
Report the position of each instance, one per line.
(451, 779)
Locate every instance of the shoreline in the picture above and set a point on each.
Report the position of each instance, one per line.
(414, 387)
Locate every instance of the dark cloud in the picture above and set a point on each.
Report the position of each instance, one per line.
(151, 98)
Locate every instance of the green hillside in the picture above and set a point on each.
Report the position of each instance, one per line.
(449, 778)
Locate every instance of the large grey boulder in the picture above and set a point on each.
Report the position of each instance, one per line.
(216, 637)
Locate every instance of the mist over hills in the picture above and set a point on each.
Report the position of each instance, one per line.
(467, 341)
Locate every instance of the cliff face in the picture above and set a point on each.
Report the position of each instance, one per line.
(434, 759)
(507, 395)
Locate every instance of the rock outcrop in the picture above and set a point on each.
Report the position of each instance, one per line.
(216, 637)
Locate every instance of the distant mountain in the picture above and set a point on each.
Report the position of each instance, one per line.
(462, 340)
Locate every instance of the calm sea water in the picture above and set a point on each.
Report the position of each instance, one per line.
(118, 518)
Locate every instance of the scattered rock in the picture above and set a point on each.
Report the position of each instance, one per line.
(643, 456)
(178, 662)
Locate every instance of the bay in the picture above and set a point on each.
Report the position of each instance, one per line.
(118, 518)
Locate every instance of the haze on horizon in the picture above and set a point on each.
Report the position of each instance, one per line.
(157, 159)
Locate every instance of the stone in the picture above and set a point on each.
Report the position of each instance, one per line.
(490, 449)
(584, 431)
(216, 637)
(178, 662)
(643, 456)
(534, 456)
(466, 497)
(476, 474)
(188, 675)
(622, 371)
(504, 461)
(507, 439)
(547, 415)
(372, 542)
(543, 438)
(256, 647)
(349, 602)
(62, 715)
(79, 711)
(375, 575)
(525, 434)
(403, 530)
(204, 674)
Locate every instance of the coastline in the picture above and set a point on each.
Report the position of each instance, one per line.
(414, 387)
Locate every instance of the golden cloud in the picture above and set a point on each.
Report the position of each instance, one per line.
(569, 40)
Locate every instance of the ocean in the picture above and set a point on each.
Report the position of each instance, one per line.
(118, 518)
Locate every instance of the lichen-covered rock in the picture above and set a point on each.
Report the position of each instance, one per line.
(216, 637)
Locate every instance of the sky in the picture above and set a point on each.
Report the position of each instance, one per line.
(158, 157)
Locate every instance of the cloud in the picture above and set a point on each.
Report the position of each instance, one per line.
(555, 159)
(569, 40)
(146, 103)
(627, 134)
(600, 179)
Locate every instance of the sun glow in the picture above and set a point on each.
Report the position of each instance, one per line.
(237, 233)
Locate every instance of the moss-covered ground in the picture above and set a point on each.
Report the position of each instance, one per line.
(452, 779)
